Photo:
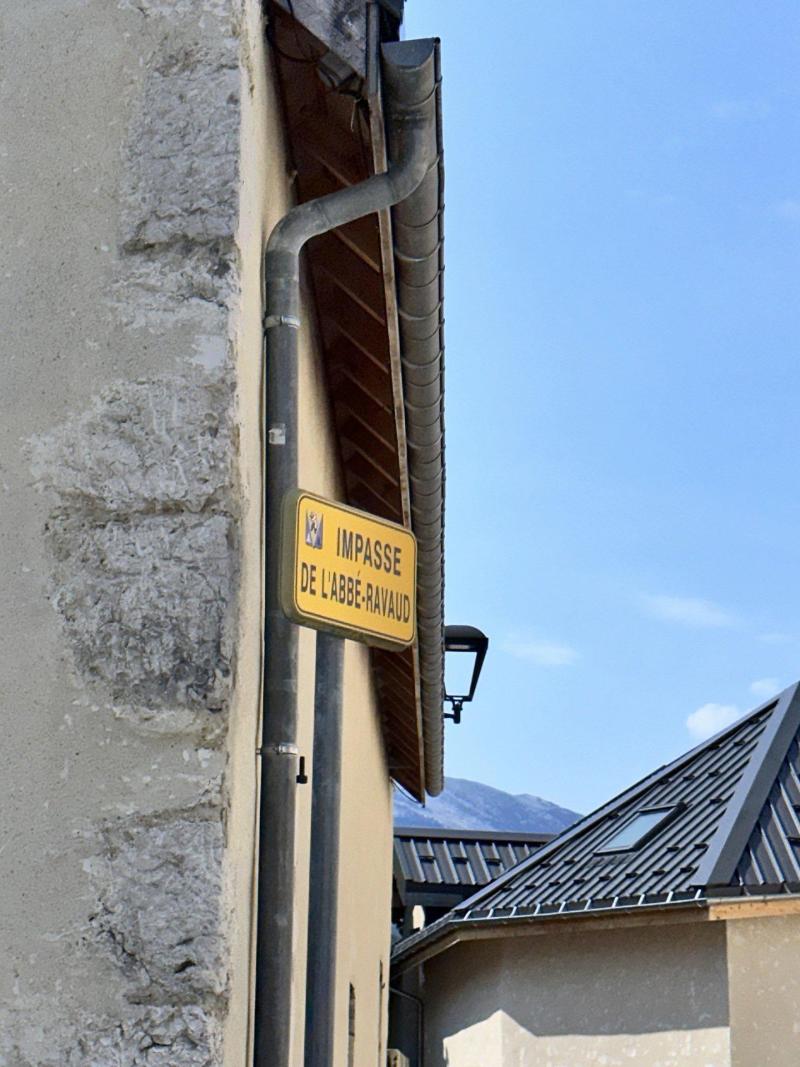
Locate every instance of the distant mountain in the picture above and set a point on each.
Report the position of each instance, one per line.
(466, 805)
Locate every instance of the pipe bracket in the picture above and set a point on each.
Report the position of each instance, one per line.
(281, 320)
(281, 748)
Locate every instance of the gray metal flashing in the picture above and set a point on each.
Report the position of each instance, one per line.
(592, 905)
(435, 833)
(424, 941)
(772, 855)
(735, 827)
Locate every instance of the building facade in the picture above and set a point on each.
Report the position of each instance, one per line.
(662, 928)
(150, 147)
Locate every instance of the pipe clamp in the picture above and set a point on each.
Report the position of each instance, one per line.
(282, 748)
(281, 320)
(285, 748)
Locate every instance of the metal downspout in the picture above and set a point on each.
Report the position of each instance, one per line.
(410, 111)
(420, 1028)
(323, 902)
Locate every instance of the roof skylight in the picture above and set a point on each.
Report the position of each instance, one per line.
(643, 825)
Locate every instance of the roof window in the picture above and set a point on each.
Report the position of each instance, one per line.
(641, 827)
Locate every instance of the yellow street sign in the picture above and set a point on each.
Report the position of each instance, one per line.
(348, 572)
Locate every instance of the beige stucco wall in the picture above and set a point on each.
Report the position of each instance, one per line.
(119, 520)
(655, 996)
(764, 981)
(141, 167)
(366, 816)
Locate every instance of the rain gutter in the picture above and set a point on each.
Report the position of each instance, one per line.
(449, 931)
(418, 241)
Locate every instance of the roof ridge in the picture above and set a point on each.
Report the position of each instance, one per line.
(588, 821)
(441, 832)
(752, 791)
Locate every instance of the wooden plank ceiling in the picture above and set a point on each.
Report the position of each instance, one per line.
(328, 137)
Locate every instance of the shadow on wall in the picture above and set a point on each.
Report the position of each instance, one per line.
(651, 992)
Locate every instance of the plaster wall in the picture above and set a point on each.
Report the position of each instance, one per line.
(655, 995)
(764, 991)
(366, 815)
(141, 168)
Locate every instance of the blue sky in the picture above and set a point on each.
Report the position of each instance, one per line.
(623, 380)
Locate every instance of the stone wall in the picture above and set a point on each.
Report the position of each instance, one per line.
(141, 168)
(121, 525)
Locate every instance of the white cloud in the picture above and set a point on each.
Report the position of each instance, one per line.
(688, 611)
(542, 653)
(789, 209)
(764, 688)
(710, 719)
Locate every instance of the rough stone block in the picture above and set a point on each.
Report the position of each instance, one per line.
(178, 10)
(158, 887)
(142, 544)
(176, 283)
(143, 446)
(181, 170)
(161, 1037)
(171, 1035)
(144, 605)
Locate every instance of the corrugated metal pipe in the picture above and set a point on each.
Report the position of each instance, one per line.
(408, 70)
(417, 225)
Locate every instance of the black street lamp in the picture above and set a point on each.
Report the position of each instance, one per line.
(470, 640)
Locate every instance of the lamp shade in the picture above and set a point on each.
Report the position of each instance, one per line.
(470, 643)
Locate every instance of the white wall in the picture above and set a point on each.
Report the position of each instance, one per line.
(764, 991)
(655, 995)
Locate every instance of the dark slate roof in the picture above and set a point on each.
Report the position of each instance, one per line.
(431, 861)
(734, 829)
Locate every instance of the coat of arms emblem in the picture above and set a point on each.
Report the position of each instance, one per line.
(313, 529)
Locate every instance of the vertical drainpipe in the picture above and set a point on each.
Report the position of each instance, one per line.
(410, 111)
(323, 881)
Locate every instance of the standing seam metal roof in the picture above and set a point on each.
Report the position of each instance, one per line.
(735, 829)
(771, 859)
(458, 859)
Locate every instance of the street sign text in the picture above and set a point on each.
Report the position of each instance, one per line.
(348, 572)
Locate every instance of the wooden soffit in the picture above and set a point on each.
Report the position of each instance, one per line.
(330, 138)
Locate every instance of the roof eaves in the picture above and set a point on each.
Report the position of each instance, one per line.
(591, 906)
(347, 274)
(424, 942)
(410, 947)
